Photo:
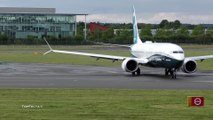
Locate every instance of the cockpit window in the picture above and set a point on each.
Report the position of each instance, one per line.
(181, 52)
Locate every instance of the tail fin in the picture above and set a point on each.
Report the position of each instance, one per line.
(137, 39)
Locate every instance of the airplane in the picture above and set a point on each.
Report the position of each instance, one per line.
(156, 55)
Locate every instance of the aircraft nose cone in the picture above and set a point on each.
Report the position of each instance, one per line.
(180, 57)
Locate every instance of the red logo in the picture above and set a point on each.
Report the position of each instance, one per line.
(195, 101)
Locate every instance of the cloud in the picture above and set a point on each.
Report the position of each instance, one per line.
(107, 18)
(149, 18)
(148, 11)
(184, 18)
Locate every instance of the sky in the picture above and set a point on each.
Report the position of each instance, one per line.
(120, 11)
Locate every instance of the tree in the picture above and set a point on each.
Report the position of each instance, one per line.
(95, 35)
(198, 30)
(164, 35)
(198, 34)
(209, 36)
(176, 24)
(146, 33)
(107, 35)
(3, 39)
(124, 36)
(182, 34)
(209, 33)
(164, 24)
(169, 25)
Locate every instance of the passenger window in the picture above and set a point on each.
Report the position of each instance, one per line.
(176, 52)
(181, 52)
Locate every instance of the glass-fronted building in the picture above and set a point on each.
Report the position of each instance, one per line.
(36, 22)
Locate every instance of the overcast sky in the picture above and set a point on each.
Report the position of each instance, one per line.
(120, 11)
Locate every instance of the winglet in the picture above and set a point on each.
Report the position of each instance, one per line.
(48, 46)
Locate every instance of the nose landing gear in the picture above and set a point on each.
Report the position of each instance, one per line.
(172, 72)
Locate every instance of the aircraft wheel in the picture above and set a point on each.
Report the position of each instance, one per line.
(174, 74)
(133, 73)
(138, 71)
(166, 72)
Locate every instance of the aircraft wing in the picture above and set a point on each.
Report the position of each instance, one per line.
(98, 56)
(200, 57)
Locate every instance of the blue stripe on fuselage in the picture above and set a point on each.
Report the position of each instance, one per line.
(164, 61)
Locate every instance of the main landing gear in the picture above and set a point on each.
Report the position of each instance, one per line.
(137, 72)
(172, 72)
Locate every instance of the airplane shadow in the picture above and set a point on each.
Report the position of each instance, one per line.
(163, 77)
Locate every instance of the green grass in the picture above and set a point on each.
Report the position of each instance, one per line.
(34, 54)
(54, 59)
(102, 104)
(195, 46)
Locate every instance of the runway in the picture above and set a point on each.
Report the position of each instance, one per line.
(31, 75)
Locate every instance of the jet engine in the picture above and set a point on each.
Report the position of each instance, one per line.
(189, 66)
(129, 65)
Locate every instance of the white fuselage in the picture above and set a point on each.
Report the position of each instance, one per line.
(146, 50)
(158, 53)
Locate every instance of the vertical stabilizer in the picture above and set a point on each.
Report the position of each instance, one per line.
(137, 39)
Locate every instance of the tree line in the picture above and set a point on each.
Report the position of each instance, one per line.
(166, 31)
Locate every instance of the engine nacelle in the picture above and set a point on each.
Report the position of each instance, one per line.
(189, 66)
(129, 65)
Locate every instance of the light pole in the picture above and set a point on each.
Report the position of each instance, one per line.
(85, 29)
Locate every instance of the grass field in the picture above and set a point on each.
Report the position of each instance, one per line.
(102, 104)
